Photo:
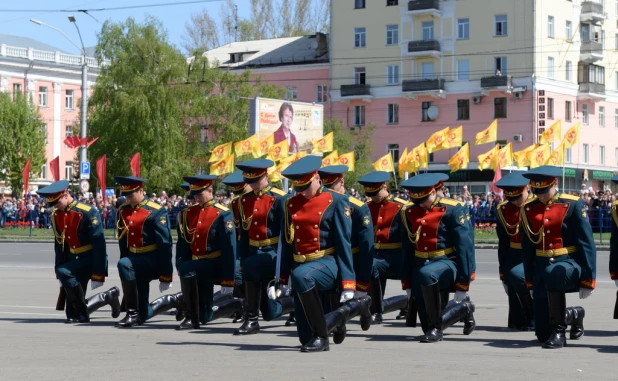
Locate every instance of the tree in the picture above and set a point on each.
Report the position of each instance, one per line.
(22, 137)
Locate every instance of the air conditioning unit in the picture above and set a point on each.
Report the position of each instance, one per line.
(518, 138)
(476, 100)
(519, 95)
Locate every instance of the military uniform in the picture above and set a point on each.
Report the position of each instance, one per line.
(613, 241)
(559, 257)
(80, 254)
(437, 257)
(145, 241)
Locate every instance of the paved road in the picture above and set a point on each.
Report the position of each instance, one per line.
(35, 345)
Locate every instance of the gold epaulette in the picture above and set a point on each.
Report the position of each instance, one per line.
(569, 197)
(528, 201)
(278, 191)
(83, 207)
(449, 201)
(401, 201)
(356, 202)
(220, 207)
(154, 205)
(502, 204)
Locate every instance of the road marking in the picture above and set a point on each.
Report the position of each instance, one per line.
(25, 267)
(10, 254)
(7, 306)
(30, 313)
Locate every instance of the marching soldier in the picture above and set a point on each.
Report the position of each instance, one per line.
(386, 218)
(437, 233)
(260, 216)
(510, 256)
(145, 241)
(205, 255)
(80, 253)
(559, 256)
(613, 242)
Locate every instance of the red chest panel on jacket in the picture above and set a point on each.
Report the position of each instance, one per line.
(201, 219)
(306, 218)
(510, 213)
(550, 218)
(424, 224)
(258, 208)
(382, 215)
(134, 219)
(68, 222)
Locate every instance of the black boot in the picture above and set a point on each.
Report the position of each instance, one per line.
(336, 319)
(312, 305)
(287, 308)
(217, 297)
(76, 297)
(239, 293)
(527, 305)
(165, 303)
(557, 320)
(376, 300)
(104, 298)
(129, 290)
(463, 311)
(575, 318)
(123, 305)
(190, 297)
(253, 295)
(179, 313)
(468, 318)
(394, 303)
(433, 309)
(227, 308)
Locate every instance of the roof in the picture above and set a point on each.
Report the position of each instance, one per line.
(301, 50)
(25, 42)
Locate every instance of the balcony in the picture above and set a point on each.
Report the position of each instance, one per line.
(591, 51)
(592, 12)
(357, 91)
(424, 48)
(424, 7)
(411, 88)
(589, 91)
(497, 82)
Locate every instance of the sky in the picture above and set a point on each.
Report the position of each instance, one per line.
(173, 18)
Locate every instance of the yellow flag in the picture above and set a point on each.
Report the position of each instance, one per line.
(504, 158)
(486, 159)
(552, 134)
(348, 159)
(325, 144)
(557, 157)
(454, 138)
(299, 155)
(278, 151)
(434, 143)
(331, 159)
(261, 147)
(521, 157)
(243, 147)
(402, 162)
(220, 152)
(419, 158)
(461, 159)
(385, 163)
(571, 137)
(489, 135)
(539, 155)
(223, 166)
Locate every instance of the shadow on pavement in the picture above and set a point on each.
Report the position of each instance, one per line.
(239, 347)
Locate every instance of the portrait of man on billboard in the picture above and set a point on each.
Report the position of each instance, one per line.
(286, 117)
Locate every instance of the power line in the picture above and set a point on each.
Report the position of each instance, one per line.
(109, 9)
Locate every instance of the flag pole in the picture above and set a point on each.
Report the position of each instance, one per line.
(395, 178)
(563, 169)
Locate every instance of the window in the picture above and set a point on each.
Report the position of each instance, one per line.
(392, 34)
(393, 149)
(392, 75)
(44, 171)
(427, 70)
(586, 153)
(602, 155)
(68, 170)
(359, 115)
(550, 108)
(204, 135)
(550, 67)
(567, 155)
(584, 32)
(359, 37)
(567, 111)
(500, 65)
(463, 29)
(359, 75)
(500, 25)
(16, 88)
(616, 39)
(322, 95)
(463, 70)
(393, 113)
(427, 28)
(425, 115)
(569, 29)
(589, 73)
(616, 75)
(69, 100)
(68, 131)
(42, 96)
(392, 2)
(499, 107)
(550, 26)
(569, 69)
(359, 4)
(291, 93)
(44, 131)
(585, 114)
(616, 118)
(601, 116)
(616, 153)
(463, 109)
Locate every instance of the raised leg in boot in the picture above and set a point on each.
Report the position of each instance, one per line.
(312, 306)
(104, 298)
(190, 298)
(575, 318)
(227, 307)
(557, 319)
(129, 290)
(253, 294)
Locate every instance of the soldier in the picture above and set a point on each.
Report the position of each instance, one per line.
(260, 216)
(80, 254)
(317, 251)
(205, 255)
(510, 256)
(385, 214)
(145, 240)
(559, 256)
(613, 242)
(437, 234)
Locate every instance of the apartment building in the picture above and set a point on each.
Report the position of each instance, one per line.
(414, 67)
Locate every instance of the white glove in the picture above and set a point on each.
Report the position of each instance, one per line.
(532, 294)
(616, 282)
(506, 288)
(460, 296)
(585, 292)
(346, 295)
(227, 290)
(95, 284)
(409, 292)
(164, 286)
(60, 283)
(359, 294)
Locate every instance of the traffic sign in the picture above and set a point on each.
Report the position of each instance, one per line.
(84, 186)
(84, 170)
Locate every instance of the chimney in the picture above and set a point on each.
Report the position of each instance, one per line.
(322, 48)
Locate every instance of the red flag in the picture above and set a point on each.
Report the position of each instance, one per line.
(54, 166)
(497, 177)
(135, 164)
(25, 174)
(101, 169)
(92, 142)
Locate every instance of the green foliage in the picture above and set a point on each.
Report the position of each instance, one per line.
(21, 137)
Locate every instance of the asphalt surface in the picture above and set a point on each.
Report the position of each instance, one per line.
(36, 345)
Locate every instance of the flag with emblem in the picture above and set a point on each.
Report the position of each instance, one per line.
(385, 163)
(503, 158)
(539, 155)
(347, 159)
(557, 157)
(552, 134)
(223, 166)
(324, 144)
(434, 143)
(220, 152)
(274, 172)
(571, 137)
(278, 151)
(521, 157)
(454, 138)
(419, 158)
(243, 147)
(486, 158)
(330, 159)
(402, 162)
(461, 159)
(261, 147)
(489, 135)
